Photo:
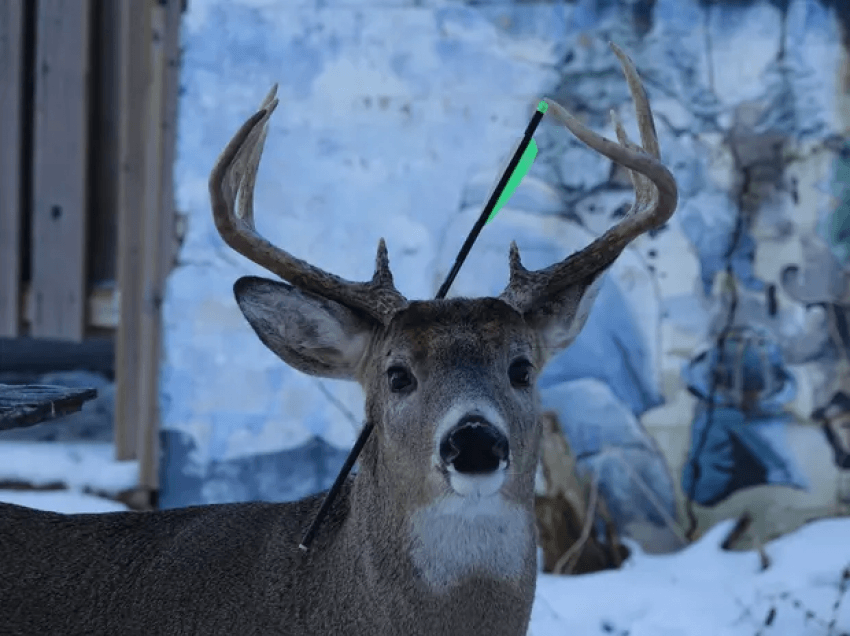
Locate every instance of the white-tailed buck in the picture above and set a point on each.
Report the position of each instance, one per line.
(435, 534)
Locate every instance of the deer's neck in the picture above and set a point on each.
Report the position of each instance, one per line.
(455, 538)
(452, 566)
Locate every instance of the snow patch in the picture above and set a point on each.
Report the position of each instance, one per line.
(64, 501)
(76, 465)
(706, 591)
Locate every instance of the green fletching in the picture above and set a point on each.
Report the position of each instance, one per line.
(522, 168)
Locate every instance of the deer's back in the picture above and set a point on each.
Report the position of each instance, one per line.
(194, 570)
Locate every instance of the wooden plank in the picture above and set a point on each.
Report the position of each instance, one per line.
(169, 242)
(103, 307)
(105, 145)
(157, 236)
(60, 164)
(134, 26)
(30, 404)
(11, 78)
(31, 356)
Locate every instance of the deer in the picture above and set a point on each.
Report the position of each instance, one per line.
(435, 533)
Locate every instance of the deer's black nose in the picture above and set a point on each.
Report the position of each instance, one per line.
(474, 446)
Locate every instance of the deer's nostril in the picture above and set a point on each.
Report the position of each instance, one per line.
(474, 447)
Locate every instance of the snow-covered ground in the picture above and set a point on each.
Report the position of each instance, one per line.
(64, 501)
(706, 591)
(75, 465)
(80, 468)
(700, 591)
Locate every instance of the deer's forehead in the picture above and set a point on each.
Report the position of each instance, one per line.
(458, 328)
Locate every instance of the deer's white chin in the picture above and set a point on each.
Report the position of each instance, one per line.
(458, 535)
(477, 485)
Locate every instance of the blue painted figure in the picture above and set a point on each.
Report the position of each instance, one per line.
(739, 433)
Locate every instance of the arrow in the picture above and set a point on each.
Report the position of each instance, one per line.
(517, 167)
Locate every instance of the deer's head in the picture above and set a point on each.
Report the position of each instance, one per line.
(450, 384)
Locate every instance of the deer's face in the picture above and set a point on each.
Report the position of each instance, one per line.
(449, 384)
(450, 387)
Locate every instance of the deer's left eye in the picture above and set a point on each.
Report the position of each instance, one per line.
(520, 373)
(400, 379)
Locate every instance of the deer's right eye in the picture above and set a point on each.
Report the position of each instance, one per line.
(400, 379)
(520, 373)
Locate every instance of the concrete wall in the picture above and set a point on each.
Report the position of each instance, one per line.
(395, 118)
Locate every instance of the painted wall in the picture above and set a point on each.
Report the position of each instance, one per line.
(395, 119)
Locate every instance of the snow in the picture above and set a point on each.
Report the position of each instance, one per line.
(64, 501)
(75, 465)
(705, 591)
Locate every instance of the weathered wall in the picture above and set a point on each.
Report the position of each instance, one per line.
(395, 118)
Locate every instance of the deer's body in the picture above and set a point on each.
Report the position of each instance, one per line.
(230, 569)
(452, 567)
(435, 535)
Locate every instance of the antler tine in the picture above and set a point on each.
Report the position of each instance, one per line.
(655, 201)
(234, 174)
(645, 121)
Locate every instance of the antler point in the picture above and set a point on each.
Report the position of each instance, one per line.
(515, 259)
(382, 264)
(270, 97)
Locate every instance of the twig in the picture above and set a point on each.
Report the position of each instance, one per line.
(768, 620)
(843, 585)
(612, 539)
(764, 559)
(565, 564)
(339, 405)
(808, 613)
(738, 530)
(671, 523)
(835, 334)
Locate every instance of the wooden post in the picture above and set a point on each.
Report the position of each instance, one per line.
(11, 78)
(105, 161)
(151, 254)
(160, 243)
(150, 75)
(134, 25)
(169, 244)
(60, 162)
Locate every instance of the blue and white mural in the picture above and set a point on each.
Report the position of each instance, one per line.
(394, 120)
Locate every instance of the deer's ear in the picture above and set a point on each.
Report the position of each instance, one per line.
(559, 321)
(312, 334)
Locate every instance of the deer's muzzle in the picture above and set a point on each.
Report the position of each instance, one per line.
(474, 447)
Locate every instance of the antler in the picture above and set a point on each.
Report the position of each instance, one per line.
(234, 174)
(655, 200)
